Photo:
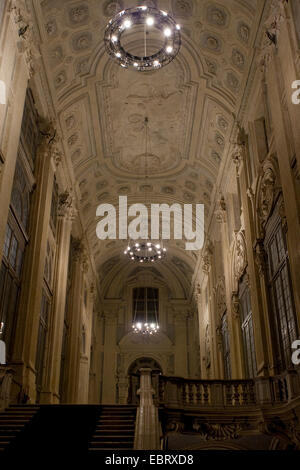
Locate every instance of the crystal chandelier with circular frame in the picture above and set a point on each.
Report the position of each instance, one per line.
(150, 19)
(145, 251)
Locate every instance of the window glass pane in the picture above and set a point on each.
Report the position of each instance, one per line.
(282, 297)
(13, 252)
(145, 304)
(7, 240)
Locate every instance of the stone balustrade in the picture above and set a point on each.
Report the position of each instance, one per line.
(181, 393)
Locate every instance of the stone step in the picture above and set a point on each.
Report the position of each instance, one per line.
(112, 445)
(114, 431)
(97, 449)
(108, 437)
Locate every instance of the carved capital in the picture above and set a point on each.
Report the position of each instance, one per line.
(66, 206)
(207, 257)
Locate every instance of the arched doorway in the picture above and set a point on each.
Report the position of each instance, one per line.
(134, 376)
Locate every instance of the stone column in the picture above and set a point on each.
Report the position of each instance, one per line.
(24, 354)
(109, 362)
(267, 348)
(85, 358)
(180, 343)
(147, 424)
(50, 392)
(74, 314)
(260, 334)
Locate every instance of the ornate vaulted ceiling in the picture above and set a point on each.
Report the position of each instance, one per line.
(191, 105)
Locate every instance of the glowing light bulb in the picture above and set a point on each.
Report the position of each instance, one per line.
(137, 244)
(114, 38)
(118, 54)
(148, 244)
(135, 64)
(169, 49)
(178, 26)
(150, 249)
(158, 247)
(159, 257)
(156, 63)
(127, 24)
(150, 21)
(167, 32)
(164, 13)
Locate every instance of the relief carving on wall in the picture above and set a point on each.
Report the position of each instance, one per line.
(218, 431)
(239, 256)
(266, 194)
(221, 297)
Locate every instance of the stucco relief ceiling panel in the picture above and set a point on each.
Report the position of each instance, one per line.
(166, 101)
(79, 137)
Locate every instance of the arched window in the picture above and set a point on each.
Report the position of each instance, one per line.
(145, 304)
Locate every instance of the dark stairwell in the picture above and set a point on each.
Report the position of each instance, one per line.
(65, 429)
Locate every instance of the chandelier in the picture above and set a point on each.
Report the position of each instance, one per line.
(145, 252)
(144, 21)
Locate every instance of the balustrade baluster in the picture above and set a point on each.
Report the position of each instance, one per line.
(205, 393)
(191, 393)
(236, 394)
(198, 393)
(244, 394)
(228, 394)
(184, 394)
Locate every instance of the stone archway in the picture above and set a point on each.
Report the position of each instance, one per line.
(134, 373)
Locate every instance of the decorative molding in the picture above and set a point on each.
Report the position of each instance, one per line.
(217, 431)
(260, 257)
(272, 28)
(26, 43)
